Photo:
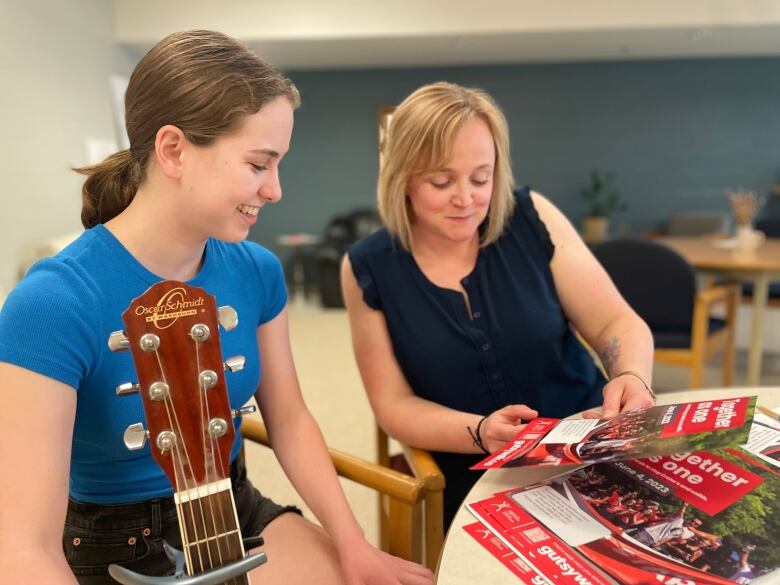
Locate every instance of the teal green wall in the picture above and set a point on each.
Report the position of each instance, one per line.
(674, 133)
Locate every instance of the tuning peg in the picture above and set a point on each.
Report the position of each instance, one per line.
(244, 410)
(135, 436)
(118, 341)
(127, 388)
(208, 379)
(228, 317)
(235, 363)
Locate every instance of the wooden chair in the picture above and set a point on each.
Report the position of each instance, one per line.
(661, 287)
(705, 343)
(406, 496)
(419, 464)
(771, 228)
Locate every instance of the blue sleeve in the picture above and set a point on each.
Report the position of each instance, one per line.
(272, 283)
(48, 324)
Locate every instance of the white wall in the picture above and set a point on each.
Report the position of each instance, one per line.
(55, 57)
(312, 34)
(308, 19)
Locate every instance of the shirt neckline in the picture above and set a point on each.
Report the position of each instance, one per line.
(466, 280)
(142, 271)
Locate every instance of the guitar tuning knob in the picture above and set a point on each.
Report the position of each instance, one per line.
(235, 363)
(227, 317)
(118, 341)
(244, 410)
(135, 437)
(127, 388)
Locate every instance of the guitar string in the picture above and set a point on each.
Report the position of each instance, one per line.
(181, 477)
(215, 450)
(206, 435)
(180, 510)
(179, 443)
(244, 579)
(225, 496)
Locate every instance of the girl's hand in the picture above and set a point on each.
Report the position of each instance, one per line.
(362, 564)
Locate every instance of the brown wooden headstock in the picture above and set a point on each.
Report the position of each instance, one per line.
(173, 333)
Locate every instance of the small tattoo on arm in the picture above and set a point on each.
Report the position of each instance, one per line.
(610, 353)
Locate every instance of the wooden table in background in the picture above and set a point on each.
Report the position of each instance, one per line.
(758, 267)
(465, 562)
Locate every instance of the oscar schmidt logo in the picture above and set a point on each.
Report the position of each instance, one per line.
(169, 308)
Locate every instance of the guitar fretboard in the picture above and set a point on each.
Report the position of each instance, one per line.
(209, 528)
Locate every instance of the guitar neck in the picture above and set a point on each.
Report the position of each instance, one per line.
(210, 532)
(172, 331)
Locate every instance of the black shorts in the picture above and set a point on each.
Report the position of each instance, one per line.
(132, 535)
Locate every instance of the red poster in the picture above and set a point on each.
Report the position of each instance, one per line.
(503, 553)
(702, 479)
(633, 434)
(693, 518)
(520, 445)
(534, 544)
(712, 415)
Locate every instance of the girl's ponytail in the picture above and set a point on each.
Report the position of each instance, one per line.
(109, 188)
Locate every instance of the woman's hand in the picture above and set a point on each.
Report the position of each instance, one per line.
(625, 392)
(504, 424)
(362, 564)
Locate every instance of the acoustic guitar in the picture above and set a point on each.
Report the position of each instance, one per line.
(172, 331)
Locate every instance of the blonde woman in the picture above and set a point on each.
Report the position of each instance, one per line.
(462, 308)
(209, 123)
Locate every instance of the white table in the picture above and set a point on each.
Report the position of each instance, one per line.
(465, 561)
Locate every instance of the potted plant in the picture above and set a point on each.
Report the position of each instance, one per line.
(602, 200)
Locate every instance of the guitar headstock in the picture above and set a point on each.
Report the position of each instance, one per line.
(172, 331)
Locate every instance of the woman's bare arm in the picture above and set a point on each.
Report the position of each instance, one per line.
(595, 307)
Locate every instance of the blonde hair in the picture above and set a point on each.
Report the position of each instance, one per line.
(419, 139)
(203, 82)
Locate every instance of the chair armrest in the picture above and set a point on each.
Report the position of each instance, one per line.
(383, 479)
(424, 467)
(717, 293)
(425, 470)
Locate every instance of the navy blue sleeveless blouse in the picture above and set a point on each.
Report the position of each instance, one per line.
(518, 347)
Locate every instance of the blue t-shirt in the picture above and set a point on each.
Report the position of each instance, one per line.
(57, 321)
(518, 347)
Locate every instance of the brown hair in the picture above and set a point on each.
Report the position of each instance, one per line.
(203, 82)
(419, 139)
